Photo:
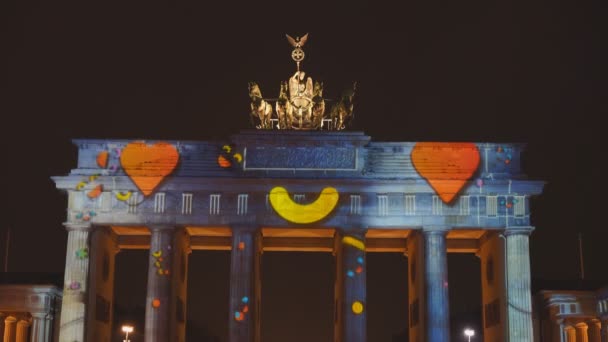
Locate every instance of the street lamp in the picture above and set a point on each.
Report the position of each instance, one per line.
(468, 333)
(127, 329)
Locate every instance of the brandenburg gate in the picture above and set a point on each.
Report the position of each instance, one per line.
(297, 183)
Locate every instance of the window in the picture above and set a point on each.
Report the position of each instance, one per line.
(132, 203)
(159, 203)
(105, 201)
(186, 204)
(437, 208)
(410, 204)
(382, 205)
(491, 205)
(355, 204)
(464, 205)
(519, 209)
(214, 204)
(241, 208)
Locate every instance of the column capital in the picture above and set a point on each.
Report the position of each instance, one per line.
(10, 319)
(435, 230)
(356, 232)
(80, 226)
(24, 321)
(41, 315)
(527, 230)
(244, 227)
(159, 227)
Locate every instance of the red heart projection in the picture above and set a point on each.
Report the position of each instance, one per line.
(446, 166)
(148, 165)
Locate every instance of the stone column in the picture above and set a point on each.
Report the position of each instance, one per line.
(519, 297)
(492, 255)
(245, 286)
(101, 284)
(10, 329)
(581, 332)
(22, 331)
(436, 276)
(159, 285)
(179, 285)
(350, 286)
(604, 332)
(570, 334)
(40, 330)
(2, 318)
(74, 302)
(594, 330)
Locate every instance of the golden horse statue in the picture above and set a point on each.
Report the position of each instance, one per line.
(283, 107)
(260, 109)
(342, 111)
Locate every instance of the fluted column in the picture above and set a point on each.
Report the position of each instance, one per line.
(570, 334)
(2, 318)
(74, 302)
(10, 328)
(436, 275)
(594, 331)
(179, 284)
(101, 284)
(40, 327)
(604, 331)
(581, 332)
(159, 284)
(245, 287)
(22, 331)
(519, 298)
(350, 287)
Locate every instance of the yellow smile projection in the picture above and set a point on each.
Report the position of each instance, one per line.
(303, 213)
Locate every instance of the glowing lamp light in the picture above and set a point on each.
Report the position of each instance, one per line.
(469, 333)
(127, 329)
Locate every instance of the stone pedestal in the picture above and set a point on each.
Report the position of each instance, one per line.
(22, 331)
(158, 296)
(40, 330)
(73, 307)
(245, 285)
(519, 305)
(350, 287)
(10, 329)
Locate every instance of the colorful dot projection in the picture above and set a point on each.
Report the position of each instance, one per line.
(158, 263)
(244, 308)
(82, 253)
(226, 158)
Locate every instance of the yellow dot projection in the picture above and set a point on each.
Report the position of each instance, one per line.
(303, 213)
(357, 307)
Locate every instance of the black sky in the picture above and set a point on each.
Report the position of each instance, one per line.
(512, 71)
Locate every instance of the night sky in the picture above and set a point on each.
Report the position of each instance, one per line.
(514, 71)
